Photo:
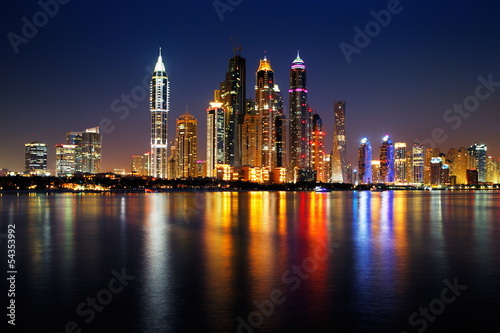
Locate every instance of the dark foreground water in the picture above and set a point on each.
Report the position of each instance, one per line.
(255, 262)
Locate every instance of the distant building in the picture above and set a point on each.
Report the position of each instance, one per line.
(317, 147)
(400, 162)
(216, 142)
(376, 172)
(338, 159)
(365, 162)
(386, 161)
(349, 179)
(65, 160)
(201, 169)
(87, 150)
(477, 154)
(147, 164)
(436, 171)
(429, 155)
(187, 146)
(418, 160)
(137, 165)
(472, 177)
(35, 157)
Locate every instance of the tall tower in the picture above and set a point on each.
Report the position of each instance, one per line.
(216, 143)
(35, 157)
(187, 142)
(232, 97)
(338, 159)
(281, 127)
(418, 160)
(317, 149)
(400, 162)
(266, 110)
(387, 160)
(365, 162)
(300, 119)
(159, 113)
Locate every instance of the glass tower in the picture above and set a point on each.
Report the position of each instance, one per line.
(387, 160)
(365, 162)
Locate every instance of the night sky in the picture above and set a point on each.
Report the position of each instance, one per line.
(426, 59)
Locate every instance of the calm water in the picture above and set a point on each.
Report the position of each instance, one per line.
(258, 261)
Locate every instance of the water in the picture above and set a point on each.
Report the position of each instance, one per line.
(255, 261)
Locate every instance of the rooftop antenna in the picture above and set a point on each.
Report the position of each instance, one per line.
(238, 44)
(234, 47)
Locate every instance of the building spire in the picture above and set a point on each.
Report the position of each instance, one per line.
(160, 67)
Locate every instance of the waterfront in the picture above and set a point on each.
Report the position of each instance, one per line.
(364, 261)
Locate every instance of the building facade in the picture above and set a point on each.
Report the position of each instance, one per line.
(338, 156)
(35, 157)
(65, 160)
(387, 161)
(186, 141)
(365, 162)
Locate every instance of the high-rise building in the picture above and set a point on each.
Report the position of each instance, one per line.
(147, 163)
(477, 153)
(460, 166)
(472, 177)
(65, 160)
(233, 99)
(387, 160)
(87, 151)
(250, 138)
(491, 169)
(300, 119)
(137, 165)
(317, 148)
(429, 154)
(409, 166)
(400, 162)
(338, 159)
(327, 168)
(216, 142)
(281, 129)
(265, 109)
(201, 169)
(187, 142)
(365, 162)
(159, 120)
(172, 170)
(418, 160)
(35, 157)
(436, 166)
(376, 176)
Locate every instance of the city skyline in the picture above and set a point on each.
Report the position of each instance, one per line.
(406, 94)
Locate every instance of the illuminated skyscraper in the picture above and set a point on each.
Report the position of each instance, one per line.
(387, 161)
(436, 166)
(35, 158)
(137, 165)
(376, 172)
(233, 99)
(65, 160)
(280, 129)
(477, 152)
(365, 162)
(87, 150)
(400, 162)
(300, 119)
(159, 123)
(317, 148)
(216, 143)
(147, 163)
(429, 154)
(338, 160)
(265, 109)
(186, 141)
(418, 159)
(460, 166)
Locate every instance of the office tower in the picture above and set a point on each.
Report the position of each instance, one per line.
(251, 132)
(429, 154)
(365, 162)
(87, 150)
(418, 160)
(400, 162)
(387, 160)
(451, 160)
(216, 142)
(376, 176)
(460, 166)
(35, 157)
(327, 168)
(147, 163)
(436, 166)
(490, 169)
(172, 170)
(137, 165)
(233, 99)
(265, 109)
(159, 120)
(65, 160)
(281, 130)
(477, 153)
(317, 148)
(409, 166)
(187, 142)
(338, 159)
(445, 174)
(300, 119)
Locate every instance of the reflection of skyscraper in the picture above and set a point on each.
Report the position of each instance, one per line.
(215, 135)
(265, 109)
(365, 162)
(300, 119)
(35, 157)
(317, 148)
(159, 113)
(387, 160)
(400, 162)
(187, 142)
(338, 159)
(418, 158)
(232, 97)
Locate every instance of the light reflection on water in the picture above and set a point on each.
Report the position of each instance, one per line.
(203, 258)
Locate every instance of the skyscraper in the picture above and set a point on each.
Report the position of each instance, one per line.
(159, 123)
(65, 160)
(216, 143)
(436, 166)
(233, 99)
(186, 141)
(387, 160)
(418, 159)
(266, 110)
(400, 162)
(317, 148)
(300, 119)
(338, 160)
(281, 129)
(250, 137)
(35, 157)
(137, 166)
(87, 151)
(365, 162)
(478, 154)
(429, 154)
